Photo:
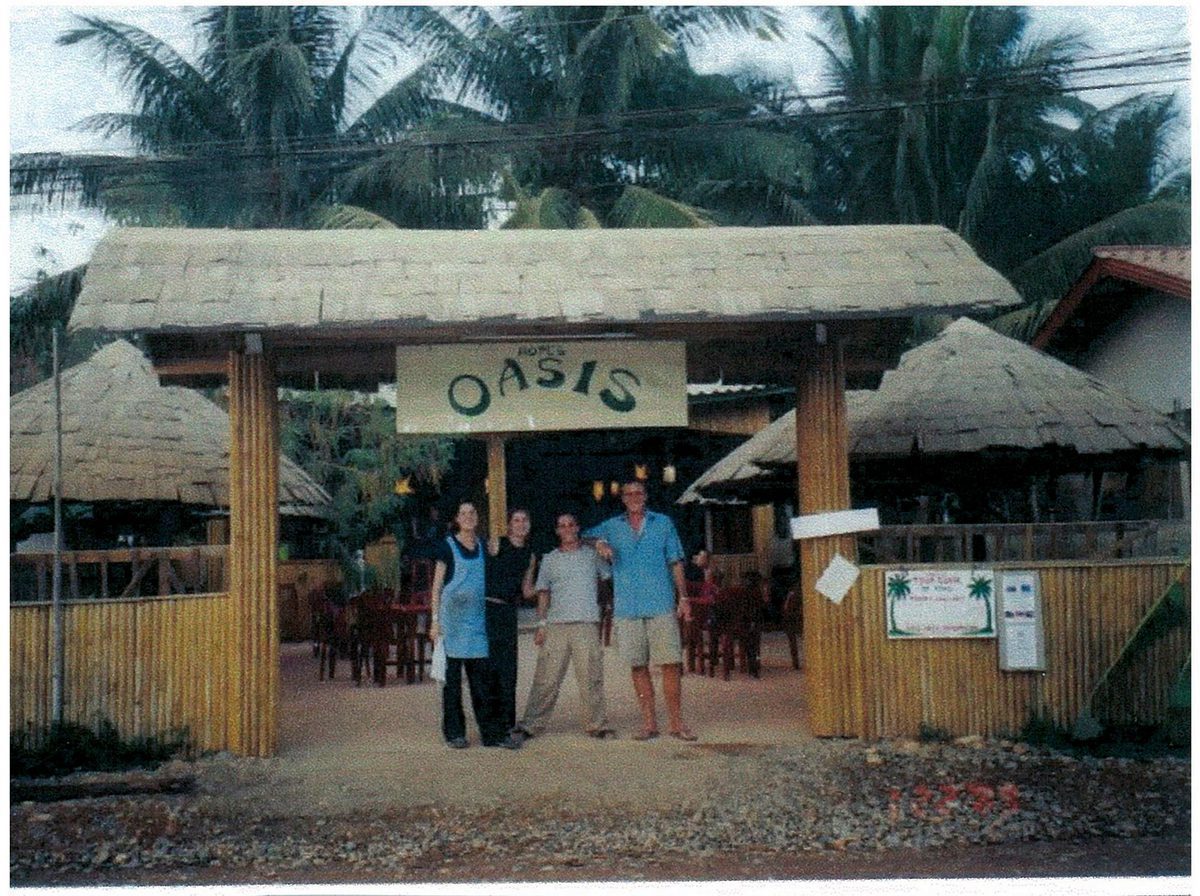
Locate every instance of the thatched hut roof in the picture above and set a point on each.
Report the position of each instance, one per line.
(968, 390)
(749, 295)
(126, 438)
(177, 280)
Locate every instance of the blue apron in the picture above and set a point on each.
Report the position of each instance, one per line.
(461, 614)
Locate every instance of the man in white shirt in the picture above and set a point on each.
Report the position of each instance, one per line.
(568, 631)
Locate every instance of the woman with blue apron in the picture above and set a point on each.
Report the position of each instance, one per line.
(457, 617)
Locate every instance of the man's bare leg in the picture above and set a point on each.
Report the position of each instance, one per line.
(643, 686)
(673, 698)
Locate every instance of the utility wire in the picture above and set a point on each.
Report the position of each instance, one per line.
(1013, 76)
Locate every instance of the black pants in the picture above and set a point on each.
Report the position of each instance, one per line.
(502, 662)
(454, 723)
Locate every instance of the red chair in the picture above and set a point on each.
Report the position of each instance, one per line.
(792, 618)
(605, 597)
(697, 633)
(736, 635)
(413, 621)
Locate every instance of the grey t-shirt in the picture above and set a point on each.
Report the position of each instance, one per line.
(570, 577)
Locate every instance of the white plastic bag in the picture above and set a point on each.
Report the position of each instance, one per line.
(437, 666)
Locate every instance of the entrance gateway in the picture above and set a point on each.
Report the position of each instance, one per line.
(576, 312)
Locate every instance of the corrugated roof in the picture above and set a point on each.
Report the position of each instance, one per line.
(967, 390)
(182, 280)
(126, 438)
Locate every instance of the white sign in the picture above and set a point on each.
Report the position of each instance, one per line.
(940, 603)
(834, 522)
(530, 386)
(839, 577)
(1019, 608)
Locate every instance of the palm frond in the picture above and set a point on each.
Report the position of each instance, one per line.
(639, 207)
(1047, 276)
(345, 217)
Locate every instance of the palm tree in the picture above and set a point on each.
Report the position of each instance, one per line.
(951, 115)
(589, 102)
(259, 133)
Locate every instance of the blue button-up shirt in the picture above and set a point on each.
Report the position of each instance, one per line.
(642, 580)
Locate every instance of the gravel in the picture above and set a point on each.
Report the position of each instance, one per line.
(824, 796)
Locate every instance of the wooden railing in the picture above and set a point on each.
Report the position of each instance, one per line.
(1124, 539)
(129, 572)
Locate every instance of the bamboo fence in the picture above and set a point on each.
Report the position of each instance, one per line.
(153, 667)
(861, 684)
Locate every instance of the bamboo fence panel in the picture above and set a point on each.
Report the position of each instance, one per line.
(861, 684)
(153, 667)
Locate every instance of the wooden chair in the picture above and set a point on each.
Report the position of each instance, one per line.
(697, 633)
(605, 598)
(736, 633)
(332, 636)
(792, 620)
(413, 621)
(369, 651)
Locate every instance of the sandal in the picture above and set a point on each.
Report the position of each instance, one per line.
(683, 735)
(601, 733)
(646, 735)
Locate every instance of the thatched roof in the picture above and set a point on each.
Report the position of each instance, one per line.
(968, 390)
(397, 282)
(126, 438)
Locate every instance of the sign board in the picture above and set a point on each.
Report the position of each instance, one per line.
(1019, 610)
(940, 603)
(527, 386)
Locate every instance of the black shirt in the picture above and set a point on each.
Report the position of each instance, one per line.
(506, 572)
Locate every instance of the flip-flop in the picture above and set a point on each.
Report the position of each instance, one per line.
(645, 735)
(683, 735)
(601, 733)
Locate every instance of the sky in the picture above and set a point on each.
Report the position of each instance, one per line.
(51, 88)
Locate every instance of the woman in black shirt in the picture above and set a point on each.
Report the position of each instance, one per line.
(510, 574)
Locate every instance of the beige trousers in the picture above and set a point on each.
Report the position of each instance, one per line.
(577, 643)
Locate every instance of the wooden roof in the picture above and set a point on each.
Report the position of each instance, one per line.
(1166, 269)
(304, 290)
(127, 438)
(968, 390)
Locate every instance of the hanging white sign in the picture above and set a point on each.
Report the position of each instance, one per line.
(1019, 608)
(517, 386)
(940, 603)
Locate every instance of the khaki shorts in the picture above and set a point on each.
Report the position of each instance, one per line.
(642, 640)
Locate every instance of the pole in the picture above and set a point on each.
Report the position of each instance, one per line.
(57, 661)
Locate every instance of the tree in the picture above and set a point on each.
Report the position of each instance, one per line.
(953, 116)
(351, 447)
(259, 133)
(592, 102)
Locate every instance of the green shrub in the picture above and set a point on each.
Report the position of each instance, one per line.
(69, 747)
(932, 734)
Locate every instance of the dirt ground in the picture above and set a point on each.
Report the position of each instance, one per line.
(356, 762)
(343, 746)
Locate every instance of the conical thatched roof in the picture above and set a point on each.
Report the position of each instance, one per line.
(968, 390)
(127, 438)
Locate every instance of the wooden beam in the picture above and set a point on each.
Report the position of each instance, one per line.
(253, 682)
(497, 477)
(832, 649)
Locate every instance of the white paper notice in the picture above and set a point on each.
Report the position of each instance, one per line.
(838, 578)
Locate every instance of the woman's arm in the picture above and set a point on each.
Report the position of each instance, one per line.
(527, 589)
(435, 599)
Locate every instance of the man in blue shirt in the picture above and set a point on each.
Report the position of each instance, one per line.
(648, 591)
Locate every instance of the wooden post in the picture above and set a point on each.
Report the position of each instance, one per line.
(253, 551)
(835, 676)
(497, 485)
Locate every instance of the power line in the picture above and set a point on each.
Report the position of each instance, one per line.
(525, 131)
